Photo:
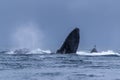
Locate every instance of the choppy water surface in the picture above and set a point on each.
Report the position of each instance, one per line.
(59, 67)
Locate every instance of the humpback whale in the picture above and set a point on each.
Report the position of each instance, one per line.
(71, 43)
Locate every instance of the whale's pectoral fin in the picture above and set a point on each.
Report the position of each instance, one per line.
(71, 43)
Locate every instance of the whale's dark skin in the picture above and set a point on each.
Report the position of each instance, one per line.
(94, 50)
(71, 43)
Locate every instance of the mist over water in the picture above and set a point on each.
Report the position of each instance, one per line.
(27, 36)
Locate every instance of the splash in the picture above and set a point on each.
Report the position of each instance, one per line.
(27, 51)
(27, 36)
(39, 51)
(103, 53)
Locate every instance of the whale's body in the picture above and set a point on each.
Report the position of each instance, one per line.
(71, 43)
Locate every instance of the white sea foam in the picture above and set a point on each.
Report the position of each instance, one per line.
(27, 51)
(10, 52)
(39, 51)
(103, 53)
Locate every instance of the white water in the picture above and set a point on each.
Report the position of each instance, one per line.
(81, 53)
(27, 51)
(39, 51)
(103, 53)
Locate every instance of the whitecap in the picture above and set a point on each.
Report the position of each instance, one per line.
(103, 53)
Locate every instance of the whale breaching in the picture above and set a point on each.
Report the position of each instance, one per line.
(71, 43)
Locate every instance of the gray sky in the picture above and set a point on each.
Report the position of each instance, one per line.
(46, 23)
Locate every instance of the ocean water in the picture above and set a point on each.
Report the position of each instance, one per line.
(44, 65)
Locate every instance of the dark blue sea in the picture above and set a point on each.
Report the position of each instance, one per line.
(43, 65)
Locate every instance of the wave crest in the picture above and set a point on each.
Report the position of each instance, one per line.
(103, 53)
(26, 51)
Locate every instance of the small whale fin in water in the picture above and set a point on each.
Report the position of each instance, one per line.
(94, 50)
(71, 43)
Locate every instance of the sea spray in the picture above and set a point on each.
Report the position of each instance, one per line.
(27, 51)
(103, 53)
(27, 36)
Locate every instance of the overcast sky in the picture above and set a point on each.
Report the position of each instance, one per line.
(46, 23)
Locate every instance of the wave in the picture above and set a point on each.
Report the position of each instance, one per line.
(40, 51)
(103, 53)
(27, 51)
